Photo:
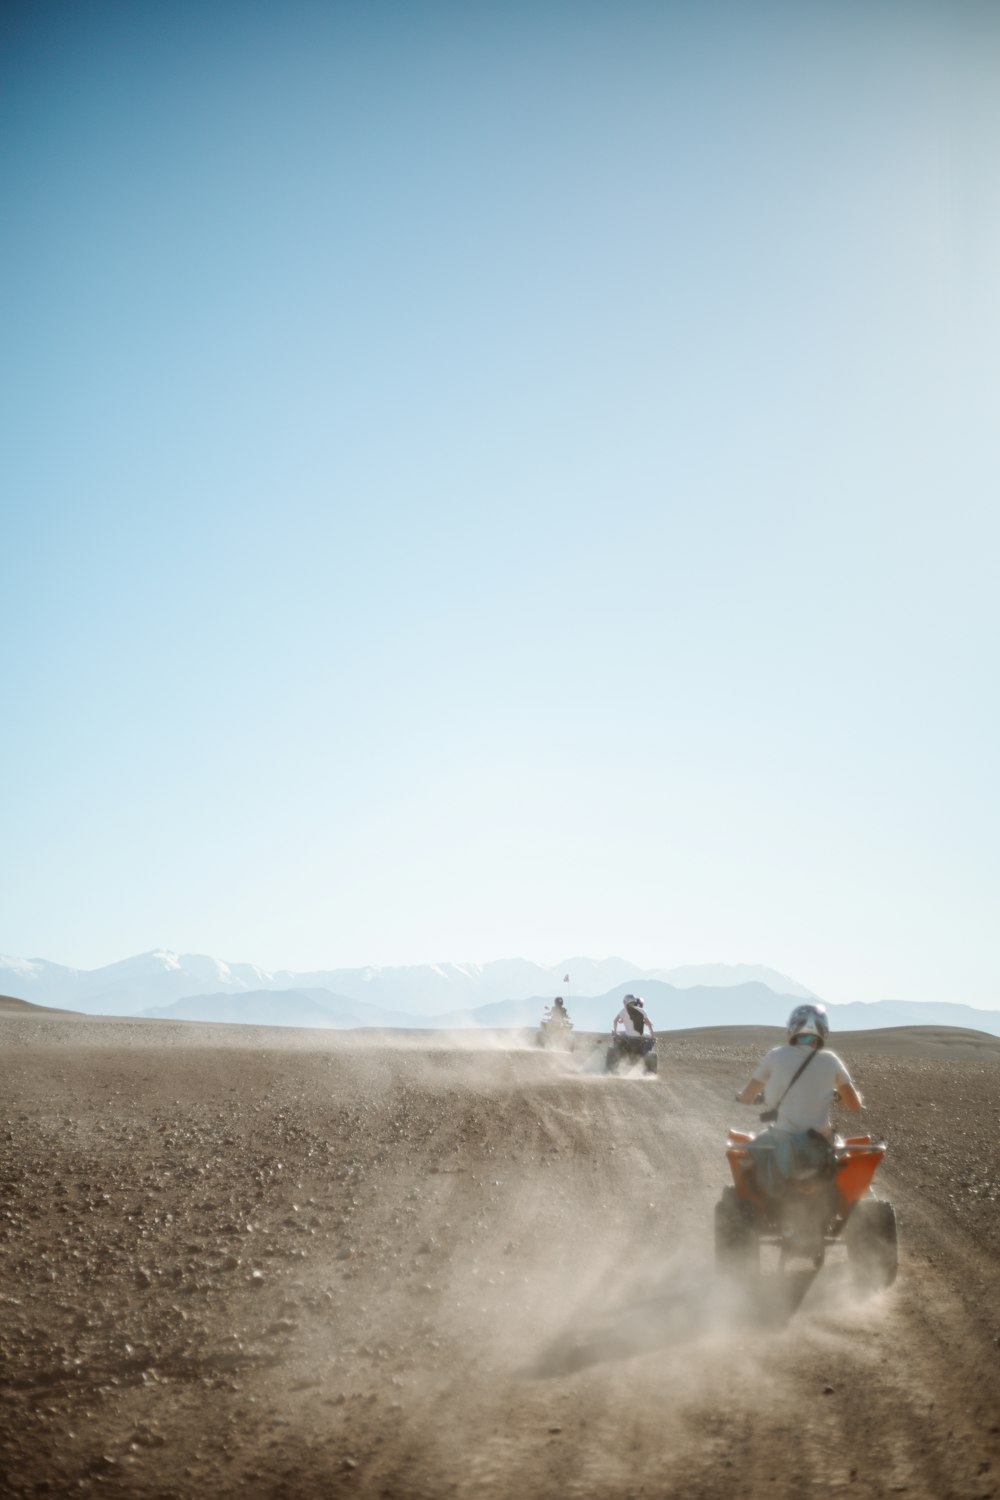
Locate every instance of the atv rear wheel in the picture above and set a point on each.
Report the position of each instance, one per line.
(737, 1247)
(651, 1061)
(872, 1244)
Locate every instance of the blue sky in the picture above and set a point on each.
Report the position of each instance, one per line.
(503, 480)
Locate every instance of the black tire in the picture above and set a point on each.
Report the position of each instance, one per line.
(612, 1060)
(873, 1244)
(737, 1247)
(651, 1061)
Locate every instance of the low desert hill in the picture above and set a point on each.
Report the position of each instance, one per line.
(908, 1042)
(11, 1006)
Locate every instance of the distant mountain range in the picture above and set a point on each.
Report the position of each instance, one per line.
(511, 993)
(157, 979)
(670, 1009)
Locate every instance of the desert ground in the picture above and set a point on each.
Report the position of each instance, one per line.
(240, 1262)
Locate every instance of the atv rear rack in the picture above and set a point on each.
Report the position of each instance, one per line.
(856, 1160)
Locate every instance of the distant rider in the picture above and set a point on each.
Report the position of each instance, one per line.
(557, 1013)
(633, 1020)
(800, 1081)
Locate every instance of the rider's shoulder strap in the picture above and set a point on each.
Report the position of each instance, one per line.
(813, 1052)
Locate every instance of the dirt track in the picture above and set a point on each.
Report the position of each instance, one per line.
(247, 1263)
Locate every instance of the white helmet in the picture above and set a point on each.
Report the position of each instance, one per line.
(809, 1021)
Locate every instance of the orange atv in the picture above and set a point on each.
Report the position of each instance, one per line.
(816, 1207)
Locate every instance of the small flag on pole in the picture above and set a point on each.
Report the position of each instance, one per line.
(565, 979)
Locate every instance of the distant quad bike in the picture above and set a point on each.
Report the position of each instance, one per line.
(628, 1051)
(556, 1032)
(828, 1205)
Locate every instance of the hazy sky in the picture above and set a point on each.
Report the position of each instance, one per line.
(503, 479)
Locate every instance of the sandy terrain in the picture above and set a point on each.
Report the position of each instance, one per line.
(252, 1263)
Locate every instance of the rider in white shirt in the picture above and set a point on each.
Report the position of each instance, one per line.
(800, 1081)
(804, 1105)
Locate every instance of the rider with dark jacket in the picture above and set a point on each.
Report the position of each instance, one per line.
(556, 1016)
